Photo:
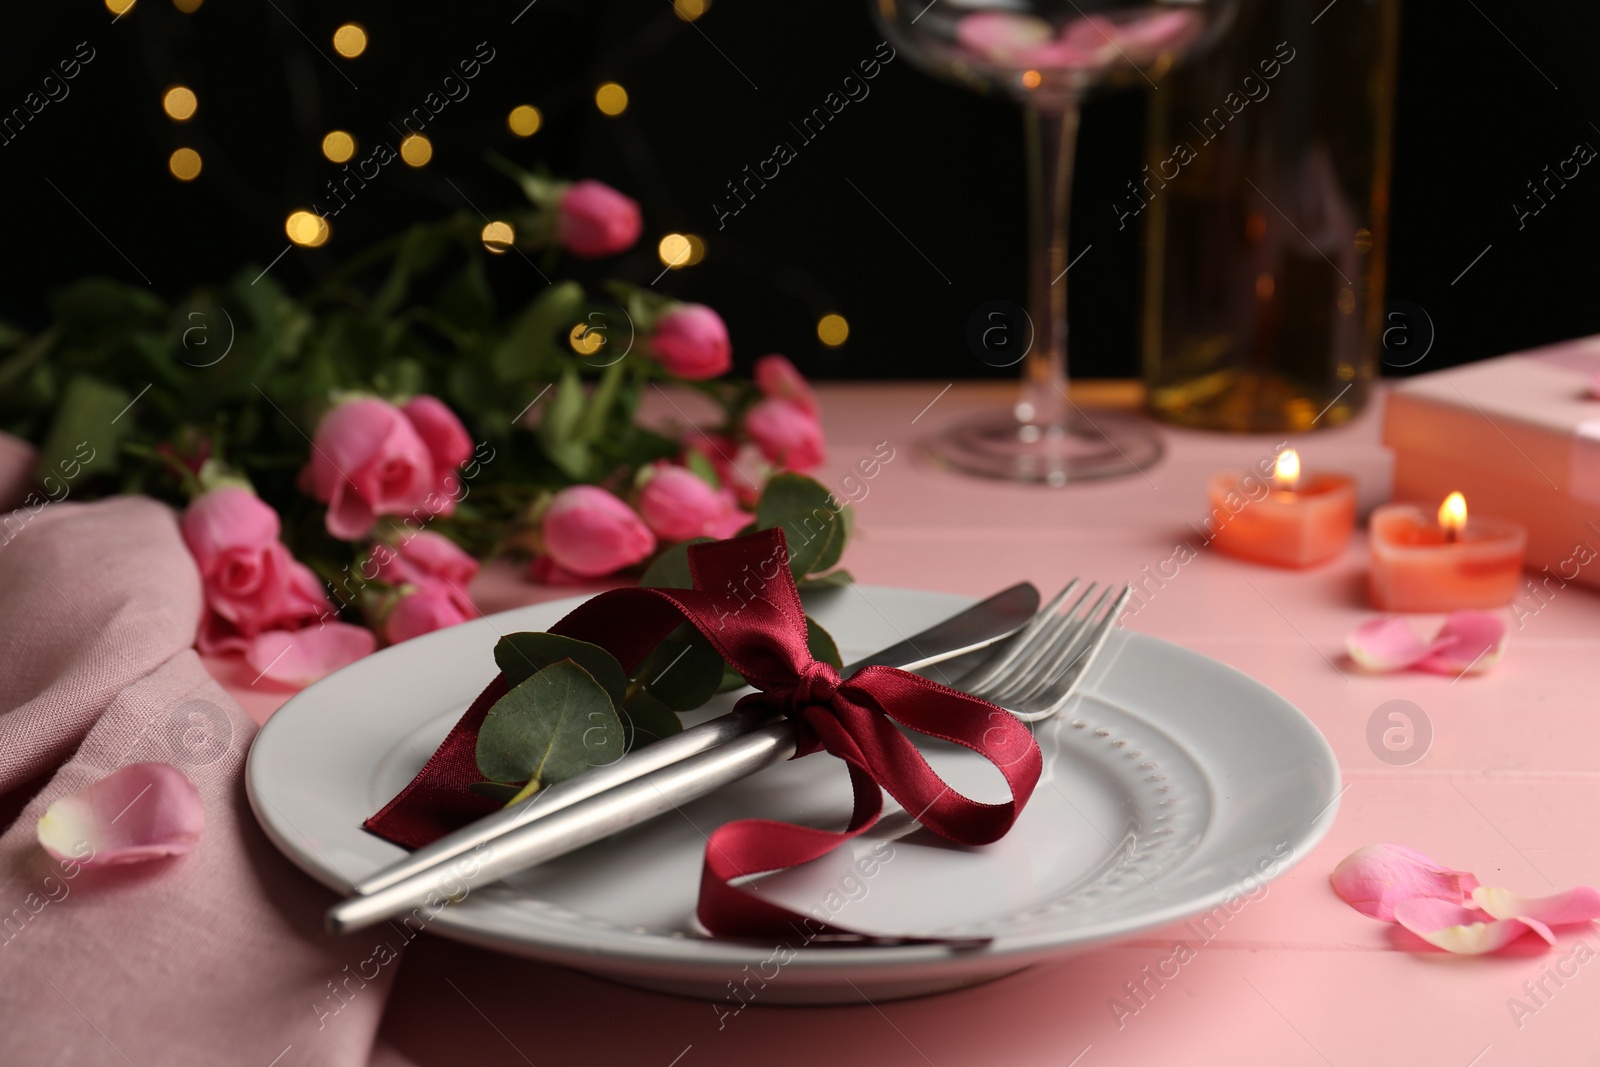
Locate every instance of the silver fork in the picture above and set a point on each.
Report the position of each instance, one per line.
(1034, 673)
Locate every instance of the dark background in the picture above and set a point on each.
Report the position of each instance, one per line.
(1490, 91)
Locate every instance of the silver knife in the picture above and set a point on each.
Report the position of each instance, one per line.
(696, 761)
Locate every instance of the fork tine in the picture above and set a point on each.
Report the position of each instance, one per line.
(1019, 677)
(1066, 683)
(1066, 650)
(990, 672)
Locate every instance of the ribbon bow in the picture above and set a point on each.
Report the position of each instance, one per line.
(745, 603)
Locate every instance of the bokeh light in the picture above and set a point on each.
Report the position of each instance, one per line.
(338, 146)
(350, 40)
(184, 164)
(188, 7)
(585, 339)
(689, 10)
(611, 99)
(832, 330)
(677, 250)
(180, 103)
(119, 7)
(416, 150)
(306, 230)
(498, 236)
(524, 120)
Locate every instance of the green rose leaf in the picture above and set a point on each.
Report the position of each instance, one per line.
(530, 345)
(521, 656)
(558, 431)
(87, 424)
(696, 461)
(553, 726)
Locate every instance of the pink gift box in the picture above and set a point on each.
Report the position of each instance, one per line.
(1520, 437)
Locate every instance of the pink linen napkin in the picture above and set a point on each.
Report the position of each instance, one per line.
(215, 957)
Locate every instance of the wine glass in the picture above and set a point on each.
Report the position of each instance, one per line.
(1048, 54)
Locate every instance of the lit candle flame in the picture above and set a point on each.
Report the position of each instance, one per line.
(1453, 515)
(1286, 473)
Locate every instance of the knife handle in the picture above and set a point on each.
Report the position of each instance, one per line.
(580, 823)
(542, 805)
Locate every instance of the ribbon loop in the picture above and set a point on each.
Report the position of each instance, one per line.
(746, 604)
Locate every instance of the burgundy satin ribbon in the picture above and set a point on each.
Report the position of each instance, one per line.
(746, 604)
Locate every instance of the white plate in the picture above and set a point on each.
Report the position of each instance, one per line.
(1172, 786)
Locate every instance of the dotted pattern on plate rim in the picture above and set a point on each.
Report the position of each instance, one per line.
(1154, 852)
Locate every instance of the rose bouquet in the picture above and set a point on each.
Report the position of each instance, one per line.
(346, 459)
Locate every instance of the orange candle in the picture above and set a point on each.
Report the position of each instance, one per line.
(1294, 520)
(1443, 562)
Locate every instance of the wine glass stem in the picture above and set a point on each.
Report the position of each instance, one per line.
(1052, 140)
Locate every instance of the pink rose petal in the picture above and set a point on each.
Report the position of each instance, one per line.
(1470, 642)
(139, 812)
(1376, 879)
(300, 657)
(1574, 906)
(999, 34)
(1386, 644)
(1465, 931)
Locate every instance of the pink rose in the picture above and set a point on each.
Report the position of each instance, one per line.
(589, 532)
(547, 571)
(428, 608)
(228, 518)
(678, 505)
(692, 342)
(448, 444)
(425, 558)
(776, 376)
(739, 467)
(367, 459)
(786, 433)
(251, 582)
(595, 220)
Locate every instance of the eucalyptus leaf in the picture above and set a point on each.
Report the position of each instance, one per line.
(731, 680)
(504, 792)
(522, 655)
(683, 671)
(843, 523)
(646, 720)
(809, 536)
(822, 645)
(553, 726)
(670, 570)
(789, 494)
(832, 579)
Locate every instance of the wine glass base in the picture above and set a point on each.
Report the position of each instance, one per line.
(1086, 448)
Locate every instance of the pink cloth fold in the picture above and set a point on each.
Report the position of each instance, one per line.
(209, 958)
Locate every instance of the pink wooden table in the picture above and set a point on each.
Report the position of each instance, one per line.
(1509, 789)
